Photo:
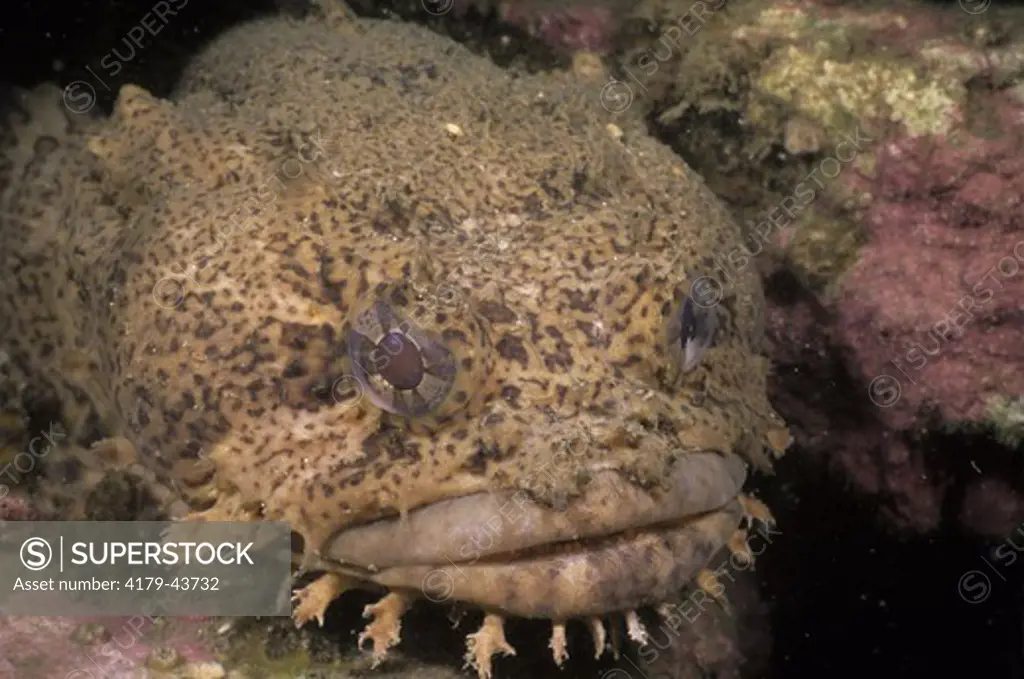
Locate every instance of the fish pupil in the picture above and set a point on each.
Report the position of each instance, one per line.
(403, 368)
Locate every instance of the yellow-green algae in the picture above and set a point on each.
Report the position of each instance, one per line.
(822, 246)
(820, 82)
(1006, 417)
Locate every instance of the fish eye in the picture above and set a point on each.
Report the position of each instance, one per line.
(691, 332)
(402, 368)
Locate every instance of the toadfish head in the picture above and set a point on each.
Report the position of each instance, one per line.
(469, 347)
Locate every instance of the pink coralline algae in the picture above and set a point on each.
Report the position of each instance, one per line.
(16, 509)
(572, 28)
(38, 647)
(46, 647)
(930, 318)
(932, 310)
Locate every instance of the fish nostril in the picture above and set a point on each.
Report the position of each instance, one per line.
(633, 430)
(642, 429)
(645, 422)
(666, 425)
(632, 437)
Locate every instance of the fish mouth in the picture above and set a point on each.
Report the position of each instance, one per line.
(617, 546)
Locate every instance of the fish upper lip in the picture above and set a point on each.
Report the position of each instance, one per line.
(489, 525)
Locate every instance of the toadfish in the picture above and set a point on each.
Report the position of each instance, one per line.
(435, 316)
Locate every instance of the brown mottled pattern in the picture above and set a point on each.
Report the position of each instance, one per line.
(186, 274)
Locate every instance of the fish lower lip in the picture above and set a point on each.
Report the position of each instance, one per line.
(489, 525)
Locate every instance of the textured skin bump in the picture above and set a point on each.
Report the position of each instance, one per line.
(185, 275)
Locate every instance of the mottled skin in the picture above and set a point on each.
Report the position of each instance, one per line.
(499, 215)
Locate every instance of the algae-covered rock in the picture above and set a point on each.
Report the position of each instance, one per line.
(840, 94)
(1006, 416)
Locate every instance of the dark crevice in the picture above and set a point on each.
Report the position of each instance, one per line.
(477, 26)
